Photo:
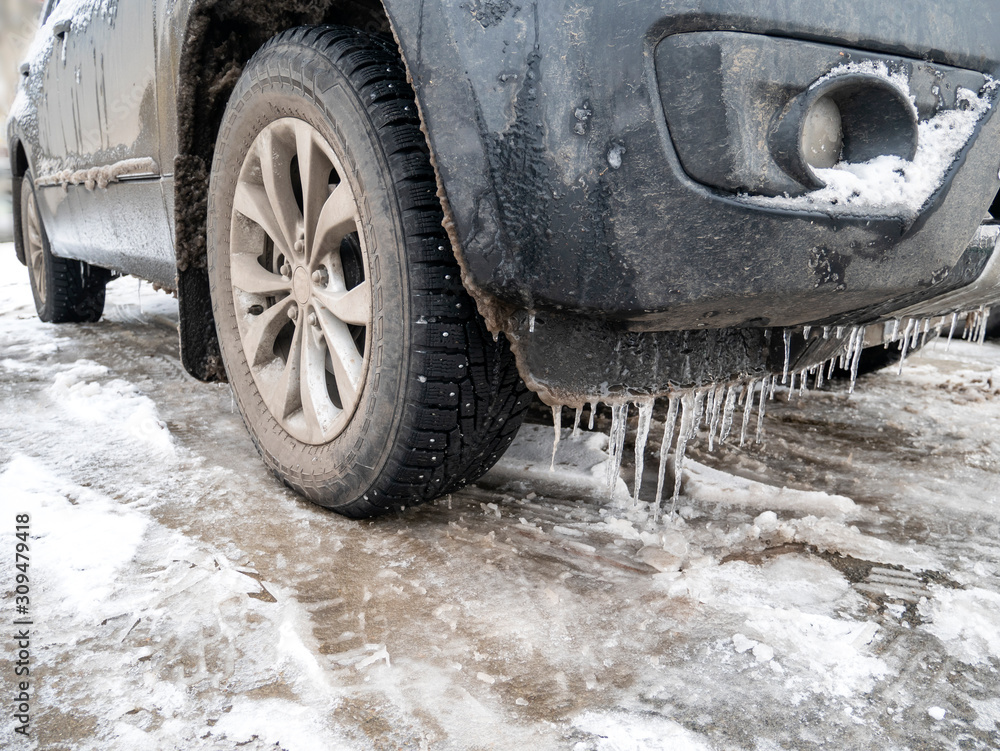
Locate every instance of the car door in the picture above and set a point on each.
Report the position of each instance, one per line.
(102, 184)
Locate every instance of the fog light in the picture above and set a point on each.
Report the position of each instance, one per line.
(851, 117)
(822, 138)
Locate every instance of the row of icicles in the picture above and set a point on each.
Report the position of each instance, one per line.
(715, 406)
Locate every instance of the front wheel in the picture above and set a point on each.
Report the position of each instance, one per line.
(363, 372)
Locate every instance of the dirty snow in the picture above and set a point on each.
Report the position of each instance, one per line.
(836, 586)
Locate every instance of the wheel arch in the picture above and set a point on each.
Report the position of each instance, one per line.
(216, 40)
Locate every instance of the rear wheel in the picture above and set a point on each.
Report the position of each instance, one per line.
(65, 291)
(364, 374)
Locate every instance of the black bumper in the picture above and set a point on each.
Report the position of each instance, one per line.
(565, 187)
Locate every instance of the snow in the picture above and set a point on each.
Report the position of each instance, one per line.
(937, 713)
(82, 545)
(966, 621)
(713, 486)
(115, 404)
(186, 600)
(617, 732)
(100, 177)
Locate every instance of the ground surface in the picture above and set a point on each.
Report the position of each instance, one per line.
(182, 599)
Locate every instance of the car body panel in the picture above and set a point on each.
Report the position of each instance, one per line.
(603, 220)
(96, 161)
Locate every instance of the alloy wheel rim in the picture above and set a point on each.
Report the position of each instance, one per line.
(33, 244)
(300, 281)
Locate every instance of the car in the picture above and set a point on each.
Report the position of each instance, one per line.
(388, 222)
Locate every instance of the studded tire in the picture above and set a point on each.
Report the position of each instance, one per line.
(414, 397)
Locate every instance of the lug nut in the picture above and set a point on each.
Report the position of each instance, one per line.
(293, 311)
(300, 245)
(320, 276)
(313, 320)
(286, 270)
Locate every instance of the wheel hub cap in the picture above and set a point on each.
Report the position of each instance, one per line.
(301, 285)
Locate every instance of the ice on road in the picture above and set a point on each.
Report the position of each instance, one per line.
(835, 587)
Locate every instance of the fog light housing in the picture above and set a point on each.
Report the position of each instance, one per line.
(852, 117)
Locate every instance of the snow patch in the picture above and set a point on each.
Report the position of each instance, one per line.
(967, 621)
(709, 485)
(117, 404)
(78, 546)
(100, 177)
(277, 722)
(833, 651)
(829, 536)
(618, 731)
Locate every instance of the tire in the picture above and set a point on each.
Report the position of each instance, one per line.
(364, 374)
(65, 291)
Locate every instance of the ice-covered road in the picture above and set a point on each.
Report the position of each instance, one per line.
(835, 588)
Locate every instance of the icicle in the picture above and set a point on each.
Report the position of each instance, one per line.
(859, 347)
(805, 383)
(826, 332)
(665, 443)
(557, 427)
(915, 342)
(819, 377)
(791, 388)
(616, 444)
(717, 402)
(769, 380)
(593, 411)
(642, 434)
(833, 366)
(709, 408)
(839, 332)
(788, 355)
(951, 331)
(806, 330)
(747, 408)
(727, 414)
(906, 343)
(772, 384)
(851, 341)
(576, 421)
(689, 418)
(983, 325)
(531, 323)
(895, 330)
(699, 411)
